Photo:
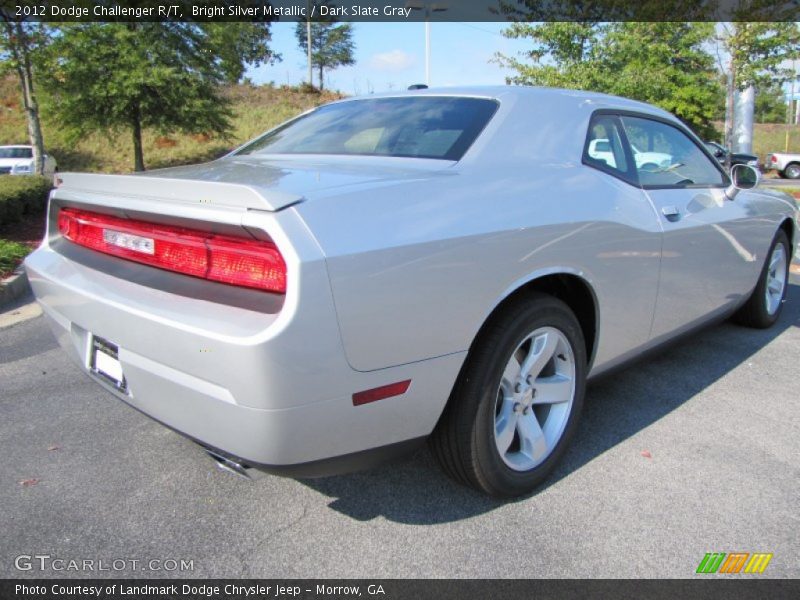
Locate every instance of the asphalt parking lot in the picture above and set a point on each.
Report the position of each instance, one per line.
(781, 183)
(691, 451)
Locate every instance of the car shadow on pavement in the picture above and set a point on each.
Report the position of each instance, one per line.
(414, 491)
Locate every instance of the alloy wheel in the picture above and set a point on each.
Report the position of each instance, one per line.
(534, 398)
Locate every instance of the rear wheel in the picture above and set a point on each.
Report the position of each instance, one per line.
(517, 400)
(792, 171)
(764, 305)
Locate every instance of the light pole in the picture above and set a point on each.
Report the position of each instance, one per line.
(308, 41)
(428, 8)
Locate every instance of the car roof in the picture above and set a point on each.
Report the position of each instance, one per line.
(529, 93)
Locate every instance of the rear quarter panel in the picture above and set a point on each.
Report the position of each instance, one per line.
(417, 268)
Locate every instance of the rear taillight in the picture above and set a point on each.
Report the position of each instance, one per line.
(227, 259)
(773, 159)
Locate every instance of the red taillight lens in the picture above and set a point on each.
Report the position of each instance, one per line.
(227, 259)
(773, 159)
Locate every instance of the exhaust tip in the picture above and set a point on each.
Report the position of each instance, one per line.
(228, 465)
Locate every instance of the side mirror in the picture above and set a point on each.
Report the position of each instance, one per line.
(743, 177)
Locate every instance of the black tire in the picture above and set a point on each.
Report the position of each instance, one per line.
(755, 312)
(463, 441)
(792, 171)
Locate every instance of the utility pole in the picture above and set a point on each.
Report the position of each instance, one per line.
(308, 42)
(794, 97)
(427, 49)
(743, 120)
(729, 105)
(428, 8)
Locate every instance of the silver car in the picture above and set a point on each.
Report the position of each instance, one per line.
(449, 265)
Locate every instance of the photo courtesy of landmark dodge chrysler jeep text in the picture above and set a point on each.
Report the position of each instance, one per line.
(449, 265)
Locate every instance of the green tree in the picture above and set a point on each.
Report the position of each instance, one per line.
(133, 76)
(20, 44)
(563, 54)
(770, 104)
(332, 44)
(663, 63)
(666, 64)
(239, 45)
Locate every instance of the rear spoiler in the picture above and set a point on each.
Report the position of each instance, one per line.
(186, 191)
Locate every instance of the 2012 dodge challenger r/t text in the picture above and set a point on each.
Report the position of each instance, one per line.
(449, 265)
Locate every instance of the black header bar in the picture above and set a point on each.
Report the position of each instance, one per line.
(702, 586)
(402, 10)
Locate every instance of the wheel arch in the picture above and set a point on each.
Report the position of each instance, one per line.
(789, 229)
(571, 288)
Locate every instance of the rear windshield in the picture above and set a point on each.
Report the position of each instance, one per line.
(16, 153)
(421, 127)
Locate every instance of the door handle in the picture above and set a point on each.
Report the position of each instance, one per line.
(671, 213)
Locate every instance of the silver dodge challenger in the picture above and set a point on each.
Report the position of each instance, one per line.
(443, 265)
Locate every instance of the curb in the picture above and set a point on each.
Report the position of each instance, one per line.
(14, 287)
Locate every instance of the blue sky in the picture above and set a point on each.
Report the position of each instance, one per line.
(392, 56)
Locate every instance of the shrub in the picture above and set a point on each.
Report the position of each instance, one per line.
(21, 194)
(11, 254)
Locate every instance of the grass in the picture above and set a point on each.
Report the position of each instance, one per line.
(256, 109)
(11, 255)
(772, 137)
(792, 191)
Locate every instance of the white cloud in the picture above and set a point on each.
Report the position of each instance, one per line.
(394, 60)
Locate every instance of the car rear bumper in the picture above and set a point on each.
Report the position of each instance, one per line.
(272, 390)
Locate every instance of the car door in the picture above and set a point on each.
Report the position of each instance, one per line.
(708, 252)
(627, 254)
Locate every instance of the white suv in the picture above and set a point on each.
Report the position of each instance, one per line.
(600, 149)
(18, 160)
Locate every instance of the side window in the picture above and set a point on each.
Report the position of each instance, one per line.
(664, 156)
(604, 149)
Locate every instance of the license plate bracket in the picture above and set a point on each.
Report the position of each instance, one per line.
(104, 363)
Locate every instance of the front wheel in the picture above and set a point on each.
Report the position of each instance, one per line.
(764, 306)
(516, 403)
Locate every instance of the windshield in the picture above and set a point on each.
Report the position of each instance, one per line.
(16, 153)
(418, 127)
